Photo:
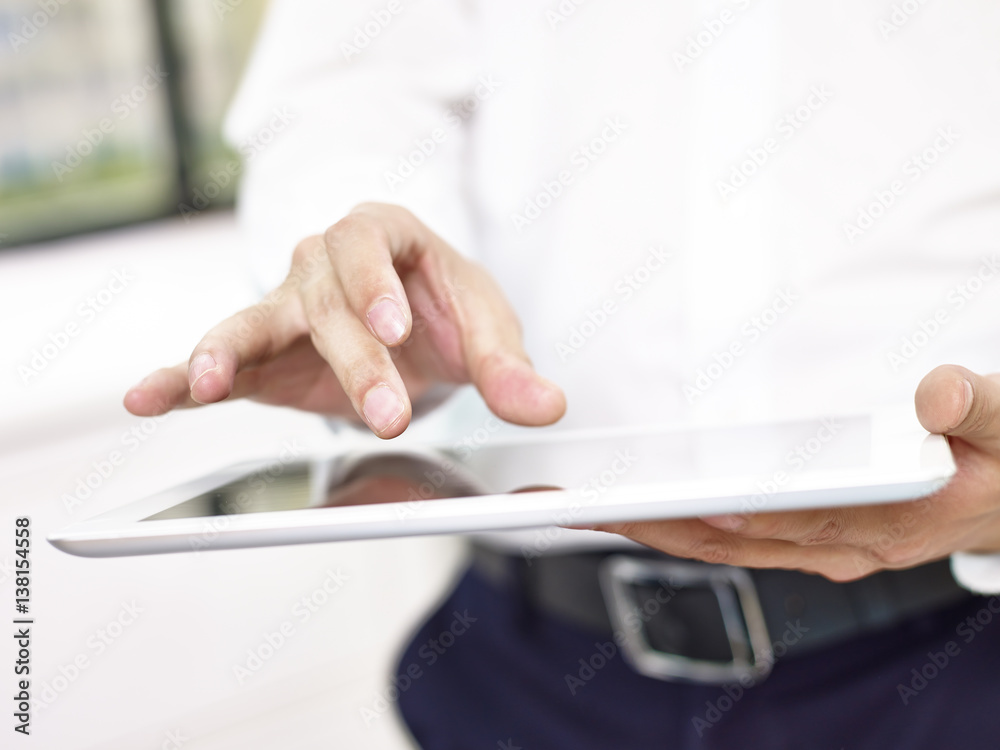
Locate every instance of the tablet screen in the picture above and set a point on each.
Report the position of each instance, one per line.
(589, 463)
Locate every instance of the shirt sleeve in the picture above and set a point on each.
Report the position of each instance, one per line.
(350, 102)
(979, 574)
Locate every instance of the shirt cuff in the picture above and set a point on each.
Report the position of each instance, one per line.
(978, 573)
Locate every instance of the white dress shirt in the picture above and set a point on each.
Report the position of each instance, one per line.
(702, 211)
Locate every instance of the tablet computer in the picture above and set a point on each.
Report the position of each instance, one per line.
(530, 479)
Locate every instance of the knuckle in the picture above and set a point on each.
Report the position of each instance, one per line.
(902, 553)
(830, 532)
(307, 261)
(893, 556)
(883, 555)
(352, 228)
(320, 314)
(720, 550)
(372, 207)
(359, 374)
(356, 382)
(306, 251)
(379, 211)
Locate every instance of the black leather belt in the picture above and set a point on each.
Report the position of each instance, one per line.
(682, 620)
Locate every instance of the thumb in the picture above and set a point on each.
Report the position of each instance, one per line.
(954, 401)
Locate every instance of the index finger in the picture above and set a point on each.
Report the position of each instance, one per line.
(476, 334)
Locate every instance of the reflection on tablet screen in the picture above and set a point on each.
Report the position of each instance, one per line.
(571, 461)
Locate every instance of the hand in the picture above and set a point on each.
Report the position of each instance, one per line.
(848, 543)
(373, 313)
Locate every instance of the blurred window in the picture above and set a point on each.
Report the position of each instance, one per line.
(111, 110)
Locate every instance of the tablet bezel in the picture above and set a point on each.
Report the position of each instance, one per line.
(907, 463)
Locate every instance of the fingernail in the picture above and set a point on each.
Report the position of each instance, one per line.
(199, 366)
(969, 395)
(728, 522)
(382, 408)
(388, 322)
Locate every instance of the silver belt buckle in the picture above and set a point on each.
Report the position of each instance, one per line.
(742, 617)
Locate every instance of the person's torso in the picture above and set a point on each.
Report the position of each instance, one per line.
(741, 210)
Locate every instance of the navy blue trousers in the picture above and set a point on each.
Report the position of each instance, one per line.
(485, 671)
